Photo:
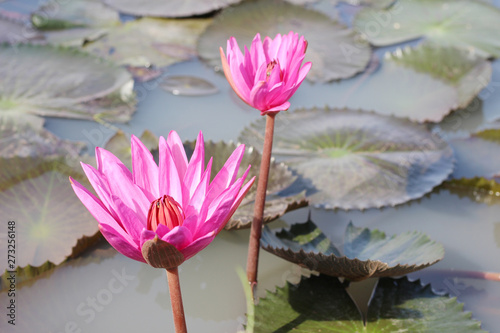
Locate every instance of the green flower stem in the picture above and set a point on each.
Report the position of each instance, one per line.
(260, 199)
(174, 287)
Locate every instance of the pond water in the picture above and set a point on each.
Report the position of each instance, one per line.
(103, 291)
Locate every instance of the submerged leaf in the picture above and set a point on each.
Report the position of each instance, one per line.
(147, 41)
(280, 179)
(355, 159)
(364, 253)
(335, 51)
(472, 25)
(64, 83)
(321, 304)
(188, 86)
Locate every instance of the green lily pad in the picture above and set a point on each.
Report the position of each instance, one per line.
(321, 304)
(188, 86)
(150, 41)
(357, 160)
(27, 273)
(119, 145)
(74, 23)
(64, 83)
(54, 15)
(423, 83)
(24, 274)
(471, 25)
(49, 218)
(370, 3)
(477, 189)
(335, 51)
(13, 32)
(364, 253)
(477, 155)
(464, 70)
(280, 179)
(173, 8)
(24, 148)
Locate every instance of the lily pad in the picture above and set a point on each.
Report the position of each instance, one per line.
(321, 304)
(148, 41)
(471, 25)
(24, 148)
(173, 8)
(370, 3)
(364, 253)
(280, 179)
(49, 217)
(335, 51)
(423, 83)
(54, 15)
(14, 32)
(477, 189)
(355, 159)
(462, 69)
(119, 145)
(74, 23)
(64, 83)
(188, 86)
(477, 156)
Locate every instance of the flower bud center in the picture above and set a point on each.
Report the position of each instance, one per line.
(166, 211)
(269, 70)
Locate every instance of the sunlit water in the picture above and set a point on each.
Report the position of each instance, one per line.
(107, 292)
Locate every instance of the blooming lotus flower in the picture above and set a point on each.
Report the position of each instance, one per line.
(269, 74)
(167, 212)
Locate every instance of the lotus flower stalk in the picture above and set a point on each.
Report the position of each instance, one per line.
(265, 77)
(163, 214)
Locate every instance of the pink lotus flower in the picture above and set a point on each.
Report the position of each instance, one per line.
(173, 203)
(269, 74)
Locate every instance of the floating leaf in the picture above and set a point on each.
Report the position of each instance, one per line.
(173, 8)
(321, 304)
(492, 135)
(188, 86)
(75, 37)
(355, 159)
(14, 32)
(150, 41)
(464, 70)
(64, 83)
(49, 218)
(364, 254)
(477, 189)
(119, 145)
(74, 23)
(423, 83)
(23, 274)
(336, 51)
(280, 179)
(55, 14)
(24, 148)
(371, 3)
(472, 25)
(477, 156)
